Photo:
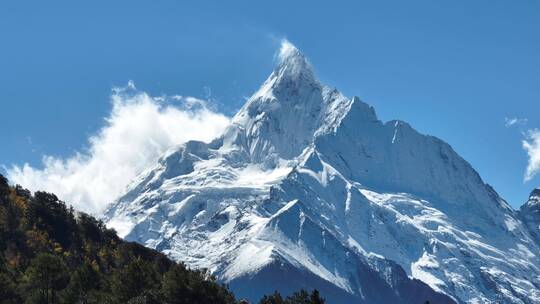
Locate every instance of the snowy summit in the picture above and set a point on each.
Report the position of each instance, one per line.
(308, 188)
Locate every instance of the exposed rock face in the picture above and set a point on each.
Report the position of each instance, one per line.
(530, 214)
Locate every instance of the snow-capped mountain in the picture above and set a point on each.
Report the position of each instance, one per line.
(307, 188)
(530, 214)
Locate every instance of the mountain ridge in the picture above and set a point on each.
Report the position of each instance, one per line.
(299, 156)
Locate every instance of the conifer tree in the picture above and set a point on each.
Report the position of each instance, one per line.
(45, 277)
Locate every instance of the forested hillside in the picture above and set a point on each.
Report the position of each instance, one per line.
(49, 253)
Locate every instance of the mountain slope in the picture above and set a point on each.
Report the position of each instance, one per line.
(308, 183)
(530, 214)
(49, 254)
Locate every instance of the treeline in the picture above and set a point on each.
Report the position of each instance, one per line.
(51, 254)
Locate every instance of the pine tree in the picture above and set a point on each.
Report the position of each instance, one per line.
(132, 281)
(272, 299)
(7, 290)
(83, 281)
(46, 275)
(300, 297)
(315, 297)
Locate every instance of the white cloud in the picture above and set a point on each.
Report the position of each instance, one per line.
(531, 144)
(508, 122)
(137, 131)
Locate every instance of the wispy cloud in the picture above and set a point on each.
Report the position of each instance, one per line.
(508, 122)
(531, 144)
(137, 131)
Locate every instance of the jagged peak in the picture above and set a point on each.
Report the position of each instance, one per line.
(292, 64)
(292, 72)
(534, 197)
(532, 203)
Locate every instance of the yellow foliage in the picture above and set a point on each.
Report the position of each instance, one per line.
(13, 257)
(57, 248)
(95, 266)
(37, 240)
(88, 247)
(18, 201)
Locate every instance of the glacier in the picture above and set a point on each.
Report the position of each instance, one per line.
(307, 188)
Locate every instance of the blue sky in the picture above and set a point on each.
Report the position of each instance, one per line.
(453, 69)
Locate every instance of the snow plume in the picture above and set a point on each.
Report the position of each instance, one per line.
(286, 50)
(137, 131)
(531, 144)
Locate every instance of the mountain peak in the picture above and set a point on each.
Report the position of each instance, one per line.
(279, 121)
(292, 63)
(534, 197)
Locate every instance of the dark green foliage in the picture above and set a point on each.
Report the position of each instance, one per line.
(272, 299)
(83, 285)
(315, 297)
(300, 297)
(134, 279)
(7, 290)
(182, 287)
(4, 187)
(49, 254)
(44, 278)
